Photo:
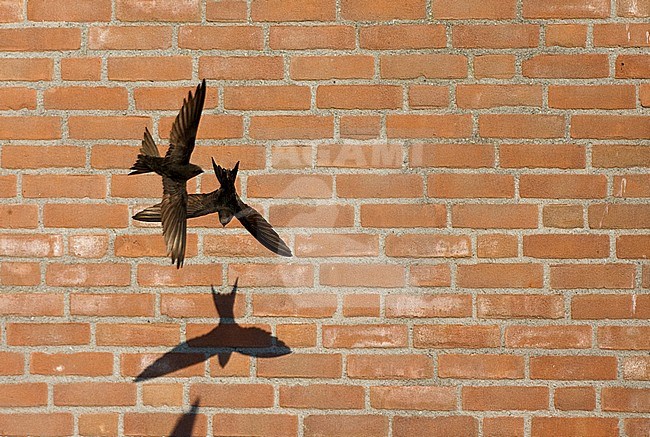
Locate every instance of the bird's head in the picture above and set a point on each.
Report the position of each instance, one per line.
(228, 193)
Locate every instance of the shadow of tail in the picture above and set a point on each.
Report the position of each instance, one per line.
(185, 424)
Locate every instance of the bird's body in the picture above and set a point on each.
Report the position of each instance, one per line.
(175, 169)
(226, 202)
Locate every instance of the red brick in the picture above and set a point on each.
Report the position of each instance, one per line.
(359, 97)
(26, 245)
(149, 68)
(451, 155)
(362, 275)
(39, 39)
(103, 127)
(288, 305)
(592, 97)
(88, 246)
(364, 336)
(428, 96)
(88, 275)
(122, 334)
(297, 335)
(359, 155)
(48, 334)
(491, 96)
(13, 363)
(331, 67)
(439, 426)
(494, 65)
(633, 246)
(542, 156)
(379, 186)
(129, 37)
(413, 398)
(620, 35)
(42, 156)
(15, 98)
(480, 366)
(221, 38)
(133, 246)
(636, 400)
(127, 305)
(637, 427)
(440, 305)
(345, 425)
(301, 365)
(8, 186)
(548, 336)
(314, 216)
(428, 126)
(69, 10)
(404, 215)
(181, 364)
(566, 9)
(429, 66)
(290, 186)
(471, 9)
(162, 394)
(496, 246)
(291, 127)
(566, 246)
(162, 10)
(454, 336)
(566, 35)
(233, 395)
(504, 426)
(636, 368)
(521, 275)
(76, 363)
(20, 273)
(26, 69)
(30, 128)
(322, 396)
(403, 36)
(563, 186)
(212, 126)
(602, 306)
(574, 426)
(81, 68)
(402, 366)
(428, 246)
(562, 216)
(151, 275)
(361, 305)
(86, 98)
(25, 394)
(168, 98)
(291, 157)
(271, 275)
(156, 424)
(234, 246)
(37, 423)
(592, 276)
(521, 126)
(359, 127)
(499, 398)
(11, 11)
(382, 10)
(267, 98)
(195, 305)
(450, 185)
(430, 275)
(573, 367)
(632, 185)
(271, 425)
(575, 398)
(293, 10)
(633, 67)
(54, 185)
(31, 304)
(570, 66)
(507, 306)
(495, 36)
(98, 424)
(631, 8)
(241, 67)
(624, 337)
(619, 216)
(335, 37)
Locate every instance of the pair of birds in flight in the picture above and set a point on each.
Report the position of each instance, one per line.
(177, 205)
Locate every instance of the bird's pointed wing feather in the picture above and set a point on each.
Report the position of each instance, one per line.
(173, 210)
(183, 133)
(261, 229)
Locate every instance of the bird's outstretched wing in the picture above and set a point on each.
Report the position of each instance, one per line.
(183, 133)
(260, 229)
(198, 205)
(173, 212)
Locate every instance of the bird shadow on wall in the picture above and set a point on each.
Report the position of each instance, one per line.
(185, 424)
(225, 339)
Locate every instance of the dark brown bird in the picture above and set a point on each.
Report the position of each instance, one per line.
(226, 202)
(175, 169)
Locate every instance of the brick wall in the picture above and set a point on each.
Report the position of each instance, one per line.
(464, 185)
